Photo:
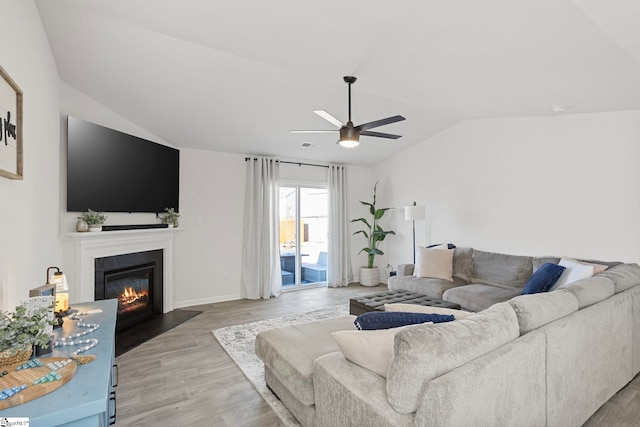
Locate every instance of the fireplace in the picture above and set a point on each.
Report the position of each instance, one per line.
(135, 280)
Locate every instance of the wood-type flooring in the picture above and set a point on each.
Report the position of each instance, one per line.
(183, 377)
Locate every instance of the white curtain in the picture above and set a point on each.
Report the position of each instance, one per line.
(261, 274)
(339, 257)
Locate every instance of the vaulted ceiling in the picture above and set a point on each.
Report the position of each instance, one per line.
(237, 76)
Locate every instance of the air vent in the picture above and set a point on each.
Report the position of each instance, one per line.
(309, 145)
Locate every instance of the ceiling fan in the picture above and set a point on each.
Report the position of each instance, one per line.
(350, 134)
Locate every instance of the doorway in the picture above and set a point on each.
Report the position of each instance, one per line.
(303, 236)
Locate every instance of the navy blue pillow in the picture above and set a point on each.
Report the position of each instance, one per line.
(393, 319)
(543, 279)
(449, 245)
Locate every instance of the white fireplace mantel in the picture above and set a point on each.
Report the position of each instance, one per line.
(91, 245)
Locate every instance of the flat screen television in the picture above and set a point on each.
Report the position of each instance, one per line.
(111, 171)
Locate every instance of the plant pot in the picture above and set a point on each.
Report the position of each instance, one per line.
(82, 226)
(14, 356)
(369, 276)
(95, 227)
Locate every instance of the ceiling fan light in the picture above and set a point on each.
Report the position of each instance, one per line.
(349, 137)
(348, 143)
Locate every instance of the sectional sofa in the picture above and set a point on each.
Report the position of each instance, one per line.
(548, 359)
(480, 278)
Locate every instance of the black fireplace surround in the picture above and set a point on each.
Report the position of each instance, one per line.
(135, 279)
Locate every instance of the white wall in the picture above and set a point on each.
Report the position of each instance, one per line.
(29, 214)
(557, 185)
(209, 249)
(208, 252)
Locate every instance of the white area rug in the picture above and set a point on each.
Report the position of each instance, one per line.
(239, 341)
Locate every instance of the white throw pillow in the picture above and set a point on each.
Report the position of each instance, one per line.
(434, 263)
(597, 268)
(573, 272)
(370, 349)
(415, 308)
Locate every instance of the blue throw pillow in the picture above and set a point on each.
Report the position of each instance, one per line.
(543, 279)
(392, 319)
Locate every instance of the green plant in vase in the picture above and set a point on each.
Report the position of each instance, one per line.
(370, 275)
(21, 330)
(170, 216)
(93, 219)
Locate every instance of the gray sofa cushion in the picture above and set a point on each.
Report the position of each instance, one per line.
(348, 395)
(496, 269)
(589, 358)
(289, 352)
(478, 297)
(463, 264)
(433, 288)
(424, 352)
(591, 290)
(405, 269)
(536, 310)
(503, 388)
(539, 261)
(624, 276)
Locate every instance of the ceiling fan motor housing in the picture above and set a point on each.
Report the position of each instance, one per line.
(348, 132)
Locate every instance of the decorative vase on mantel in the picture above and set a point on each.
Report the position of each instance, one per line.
(369, 276)
(82, 226)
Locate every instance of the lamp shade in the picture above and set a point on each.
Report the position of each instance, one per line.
(60, 280)
(414, 213)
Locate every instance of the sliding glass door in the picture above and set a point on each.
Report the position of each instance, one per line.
(303, 236)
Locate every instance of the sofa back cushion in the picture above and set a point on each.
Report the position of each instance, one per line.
(539, 261)
(624, 276)
(490, 268)
(536, 310)
(424, 352)
(463, 264)
(591, 290)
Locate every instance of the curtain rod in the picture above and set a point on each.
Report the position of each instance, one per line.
(292, 163)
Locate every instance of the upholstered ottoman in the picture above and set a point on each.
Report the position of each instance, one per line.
(376, 302)
(288, 354)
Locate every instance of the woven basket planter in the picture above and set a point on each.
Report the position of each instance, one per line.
(369, 276)
(12, 357)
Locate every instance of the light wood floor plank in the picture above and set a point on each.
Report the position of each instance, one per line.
(184, 377)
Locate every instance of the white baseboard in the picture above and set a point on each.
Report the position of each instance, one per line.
(192, 302)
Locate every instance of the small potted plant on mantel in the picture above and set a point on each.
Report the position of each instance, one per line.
(370, 275)
(170, 217)
(93, 219)
(21, 330)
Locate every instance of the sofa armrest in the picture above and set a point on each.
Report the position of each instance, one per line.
(349, 395)
(405, 269)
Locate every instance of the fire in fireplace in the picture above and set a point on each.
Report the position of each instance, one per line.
(135, 280)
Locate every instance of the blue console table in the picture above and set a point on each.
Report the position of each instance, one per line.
(88, 400)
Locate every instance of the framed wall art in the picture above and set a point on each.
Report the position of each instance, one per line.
(10, 127)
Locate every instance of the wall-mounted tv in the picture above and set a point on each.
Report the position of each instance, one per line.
(111, 171)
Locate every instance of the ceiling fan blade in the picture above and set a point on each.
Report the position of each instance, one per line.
(380, 122)
(380, 134)
(328, 117)
(314, 131)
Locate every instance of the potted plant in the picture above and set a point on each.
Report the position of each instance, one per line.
(21, 330)
(93, 219)
(370, 275)
(170, 217)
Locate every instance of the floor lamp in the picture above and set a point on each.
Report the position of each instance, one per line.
(414, 213)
